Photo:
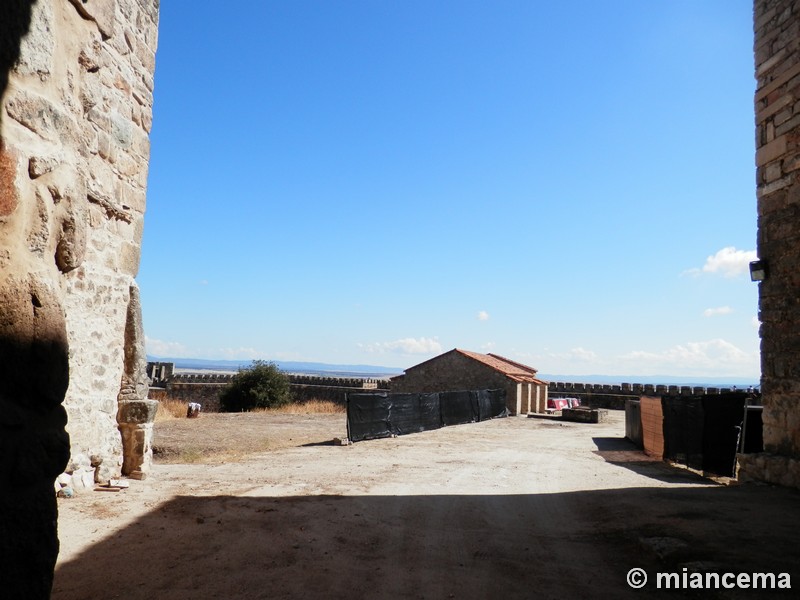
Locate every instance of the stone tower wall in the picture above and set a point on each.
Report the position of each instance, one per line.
(78, 116)
(777, 109)
(76, 95)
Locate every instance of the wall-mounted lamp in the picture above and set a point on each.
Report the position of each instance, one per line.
(758, 270)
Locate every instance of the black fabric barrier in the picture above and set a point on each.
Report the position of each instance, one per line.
(753, 430)
(495, 407)
(724, 415)
(458, 407)
(703, 432)
(403, 413)
(412, 413)
(429, 415)
(380, 414)
(368, 416)
(683, 430)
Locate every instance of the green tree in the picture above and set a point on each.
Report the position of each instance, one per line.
(261, 385)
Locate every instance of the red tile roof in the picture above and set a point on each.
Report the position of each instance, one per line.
(509, 368)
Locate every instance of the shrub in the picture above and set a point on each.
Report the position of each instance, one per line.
(261, 385)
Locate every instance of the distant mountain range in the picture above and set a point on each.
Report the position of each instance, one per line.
(302, 368)
(377, 372)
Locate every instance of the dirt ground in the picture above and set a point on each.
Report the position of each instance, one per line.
(221, 437)
(509, 508)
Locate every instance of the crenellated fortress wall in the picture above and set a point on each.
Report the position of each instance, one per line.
(205, 388)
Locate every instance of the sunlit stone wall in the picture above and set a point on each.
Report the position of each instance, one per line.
(777, 108)
(76, 78)
(78, 116)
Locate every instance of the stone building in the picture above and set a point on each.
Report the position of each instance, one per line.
(76, 96)
(777, 110)
(464, 370)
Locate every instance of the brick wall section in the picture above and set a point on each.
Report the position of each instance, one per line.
(652, 417)
(777, 110)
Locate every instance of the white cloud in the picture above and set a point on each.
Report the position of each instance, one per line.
(575, 354)
(755, 323)
(712, 358)
(709, 357)
(483, 316)
(715, 312)
(728, 262)
(582, 354)
(164, 349)
(238, 353)
(421, 345)
(177, 350)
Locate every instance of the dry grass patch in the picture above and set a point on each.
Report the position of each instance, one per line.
(311, 407)
(228, 437)
(170, 408)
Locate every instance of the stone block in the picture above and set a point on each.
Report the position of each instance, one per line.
(36, 50)
(780, 80)
(9, 194)
(42, 164)
(784, 115)
(585, 415)
(791, 164)
(102, 12)
(763, 19)
(82, 480)
(138, 412)
(787, 126)
(770, 63)
(71, 245)
(770, 188)
(129, 257)
(773, 172)
(121, 130)
(137, 448)
(42, 116)
(770, 151)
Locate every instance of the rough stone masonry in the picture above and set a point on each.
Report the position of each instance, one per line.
(76, 84)
(777, 110)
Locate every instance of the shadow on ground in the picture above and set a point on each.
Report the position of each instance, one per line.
(569, 545)
(624, 453)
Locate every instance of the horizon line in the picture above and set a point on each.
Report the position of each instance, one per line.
(566, 378)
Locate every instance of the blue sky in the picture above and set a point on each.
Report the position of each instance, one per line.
(570, 185)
